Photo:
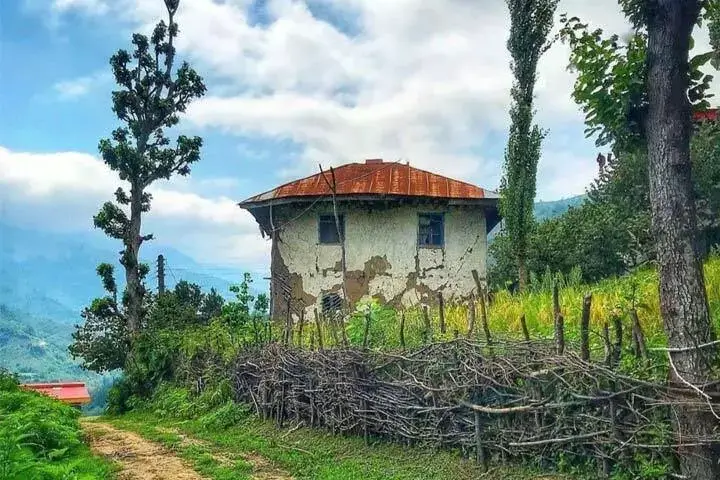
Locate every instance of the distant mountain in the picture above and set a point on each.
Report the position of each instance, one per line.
(52, 275)
(46, 279)
(545, 210)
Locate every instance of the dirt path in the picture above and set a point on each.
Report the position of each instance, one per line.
(139, 458)
(142, 459)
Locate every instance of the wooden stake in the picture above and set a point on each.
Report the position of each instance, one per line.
(319, 330)
(559, 322)
(585, 328)
(608, 347)
(471, 318)
(617, 347)
(483, 318)
(441, 305)
(638, 335)
(480, 456)
(402, 329)
(427, 333)
(300, 327)
(366, 334)
(523, 324)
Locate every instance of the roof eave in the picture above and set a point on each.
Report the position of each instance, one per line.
(489, 201)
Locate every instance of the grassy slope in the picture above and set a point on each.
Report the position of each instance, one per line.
(304, 453)
(41, 439)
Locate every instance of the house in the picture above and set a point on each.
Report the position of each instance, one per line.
(408, 234)
(73, 393)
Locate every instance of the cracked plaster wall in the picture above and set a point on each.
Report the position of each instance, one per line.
(382, 255)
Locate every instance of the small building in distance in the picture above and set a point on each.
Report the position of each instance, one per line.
(408, 235)
(73, 393)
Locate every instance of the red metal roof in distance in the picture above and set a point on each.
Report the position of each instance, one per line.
(375, 177)
(711, 115)
(75, 393)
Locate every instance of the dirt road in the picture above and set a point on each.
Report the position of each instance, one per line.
(141, 459)
(138, 458)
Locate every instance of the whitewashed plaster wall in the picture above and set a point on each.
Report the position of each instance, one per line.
(383, 258)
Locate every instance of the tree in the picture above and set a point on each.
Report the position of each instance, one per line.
(103, 340)
(683, 299)
(638, 97)
(530, 24)
(150, 98)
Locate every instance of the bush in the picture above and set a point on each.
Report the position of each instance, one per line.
(40, 438)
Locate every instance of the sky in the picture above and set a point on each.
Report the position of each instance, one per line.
(291, 84)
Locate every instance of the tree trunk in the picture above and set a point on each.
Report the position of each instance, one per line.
(683, 300)
(130, 262)
(522, 274)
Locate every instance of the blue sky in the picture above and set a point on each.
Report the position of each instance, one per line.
(291, 84)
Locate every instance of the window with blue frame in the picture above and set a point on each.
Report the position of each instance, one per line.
(327, 229)
(431, 230)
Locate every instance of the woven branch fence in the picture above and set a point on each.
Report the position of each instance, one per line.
(495, 402)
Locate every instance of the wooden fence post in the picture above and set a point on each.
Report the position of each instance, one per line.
(617, 347)
(559, 322)
(301, 324)
(471, 318)
(525, 331)
(638, 335)
(483, 318)
(402, 329)
(441, 305)
(319, 330)
(585, 328)
(606, 341)
(480, 455)
(427, 333)
(366, 334)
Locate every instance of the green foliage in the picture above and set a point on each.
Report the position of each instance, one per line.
(149, 99)
(610, 232)
(530, 24)
(40, 438)
(611, 80)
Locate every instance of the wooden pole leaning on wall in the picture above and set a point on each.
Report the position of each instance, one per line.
(441, 309)
(483, 309)
(287, 334)
(559, 322)
(585, 328)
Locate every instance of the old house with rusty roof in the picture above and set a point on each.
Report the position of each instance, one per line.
(406, 234)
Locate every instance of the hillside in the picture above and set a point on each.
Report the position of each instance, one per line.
(46, 278)
(545, 210)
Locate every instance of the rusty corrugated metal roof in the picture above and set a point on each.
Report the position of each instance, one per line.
(75, 393)
(711, 114)
(375, 177)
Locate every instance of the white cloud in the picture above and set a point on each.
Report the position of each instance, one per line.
(93, 7)
(69, 187)
(422, 80)
(80, 86)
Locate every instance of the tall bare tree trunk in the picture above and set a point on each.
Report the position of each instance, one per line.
(683, 300)
(522, 274)
(130, 262)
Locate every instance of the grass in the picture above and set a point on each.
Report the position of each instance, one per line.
(611, 297)
(41, 439)
(224, 450)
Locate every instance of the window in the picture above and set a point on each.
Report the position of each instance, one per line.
(431, 230)
(327, 229)
(331, 303)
